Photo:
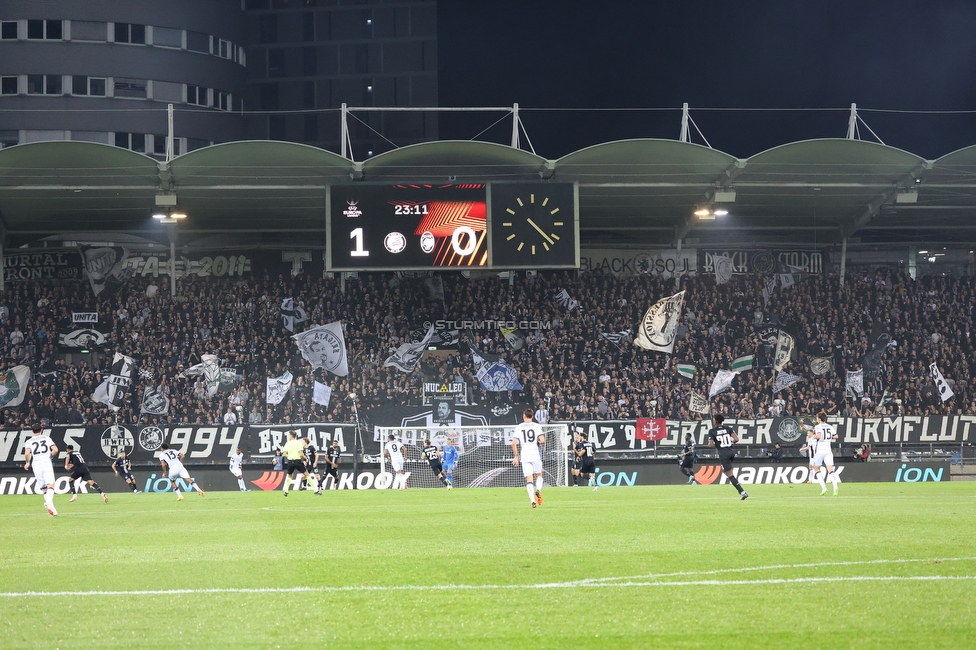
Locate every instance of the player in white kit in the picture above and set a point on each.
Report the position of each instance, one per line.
(529, 436)
(394, 451)
(823, 436)
(38, 454)
(236, 465)
(173, 469)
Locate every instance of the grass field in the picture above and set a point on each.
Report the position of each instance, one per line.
(881, 566)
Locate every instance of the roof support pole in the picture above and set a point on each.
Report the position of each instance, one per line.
(843, 260)
(515, 126)
(345, 153)
(172, 260)
(683, 136)
(169, 132)
(852, 123)
(677, 276)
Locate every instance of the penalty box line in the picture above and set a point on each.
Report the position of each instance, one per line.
(554, 585)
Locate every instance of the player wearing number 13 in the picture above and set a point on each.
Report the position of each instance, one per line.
(722, 438)
(38, 452)
(172, 462)
(528, 435)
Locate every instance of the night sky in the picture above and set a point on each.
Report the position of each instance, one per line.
(752, 54)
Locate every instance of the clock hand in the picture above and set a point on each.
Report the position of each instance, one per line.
(541, 232)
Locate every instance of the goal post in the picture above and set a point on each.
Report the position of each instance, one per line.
(484, 454)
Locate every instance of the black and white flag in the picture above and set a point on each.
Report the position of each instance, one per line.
(721, 383)
(324, 347)
(408, 355)
(697, 403)
(563, 299)
(784, 349)
(147, 374)
(292, 314)
(154, 402)
(209, 368)
(768, 289)
(277, 388)
(658, 328)
(854, 386)
(435, 287)
(945, 392)
(784, 380)
(111, 392)
(723, 269)
(820, 366)
(617, 339)
(107, 268)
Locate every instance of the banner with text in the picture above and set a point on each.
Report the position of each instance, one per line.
(763, 261)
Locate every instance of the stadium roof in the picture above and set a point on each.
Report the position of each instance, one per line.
(631, 192)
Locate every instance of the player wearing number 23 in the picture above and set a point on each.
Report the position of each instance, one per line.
(722, 438)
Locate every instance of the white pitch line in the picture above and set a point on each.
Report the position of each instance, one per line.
(554, 585)
(771, 567)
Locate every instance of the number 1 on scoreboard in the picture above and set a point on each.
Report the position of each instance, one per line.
(358, 251)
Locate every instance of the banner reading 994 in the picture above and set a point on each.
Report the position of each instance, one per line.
(423, 226)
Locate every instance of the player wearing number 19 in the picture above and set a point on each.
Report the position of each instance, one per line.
(528, 435)
(38, 454)
(723, 438)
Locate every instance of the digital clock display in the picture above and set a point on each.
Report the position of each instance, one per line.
(422, 226)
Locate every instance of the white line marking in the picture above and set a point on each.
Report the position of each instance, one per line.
(553, 585)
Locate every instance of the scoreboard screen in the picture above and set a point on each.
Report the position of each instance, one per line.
(452, 225)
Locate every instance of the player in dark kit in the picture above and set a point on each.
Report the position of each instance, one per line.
(74, 462)
(722, 438)
(577, 456)
(686, 459)
(331, 466)
(433, 457)
(588, 463)
(311, 462)
(123, 467)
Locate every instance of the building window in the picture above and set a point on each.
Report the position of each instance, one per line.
(276, 63)
(268, 29)
(310, 61)
(8, 30)
(167, 37)
(45, 29)
(84, 30)
(223, 101)
(252, 5)
(197, 42)
(132, 88)
(311, 128)
(308, 94)
(43, 84)
(159, 145)
(197, 95)
(308, 26)
(132, 141)
(8, 85)
(269, 97)
(9, 138)
(130, 33)
(82, 85)
(224, 49)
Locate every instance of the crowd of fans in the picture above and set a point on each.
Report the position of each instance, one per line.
(570, 370)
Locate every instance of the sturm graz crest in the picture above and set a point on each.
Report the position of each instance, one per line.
(643, 263)
(115, 440)
(151, 438)
(762, 262)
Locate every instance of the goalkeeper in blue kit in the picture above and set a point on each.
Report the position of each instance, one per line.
(449, 461)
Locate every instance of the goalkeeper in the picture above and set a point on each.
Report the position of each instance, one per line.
(449, 462)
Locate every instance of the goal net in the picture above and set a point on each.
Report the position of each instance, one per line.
(484, 455)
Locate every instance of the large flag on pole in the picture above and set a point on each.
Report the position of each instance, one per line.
(324, 347)
(564, 300)
(650, 429)
(855, 383)
(721, 383)
(686, 370)
(723, 268)
(13, 386)
(111, 392)
(209, 368)
(408, 355)
(741, 364)
(820, 366)
(784, 349)
(657, 330)
(292, 314)
(154, 402)
(107, 268)
(277, 388)
(784, 380)
(945, 392)
(495, 376)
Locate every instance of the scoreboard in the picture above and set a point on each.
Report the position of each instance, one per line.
(453, 225)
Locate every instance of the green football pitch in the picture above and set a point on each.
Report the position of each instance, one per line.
(880, 566)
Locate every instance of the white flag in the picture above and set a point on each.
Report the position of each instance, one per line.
(563, 299)
(13, 386)
(786, 280)
(820, 366)
(292, 315)
(277, 388)
(784, 380)
(697, 403)
(855, 383)
(154, 402)
(408, 355)
(944, 390)
(723, 268)
(324, 347)
(658, 328)
(209, 367)
(784, 349)
(321, 394)
(721, 383)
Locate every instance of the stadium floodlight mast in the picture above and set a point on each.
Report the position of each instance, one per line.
(171, 217)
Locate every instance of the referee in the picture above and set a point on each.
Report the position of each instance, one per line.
(294, 459)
